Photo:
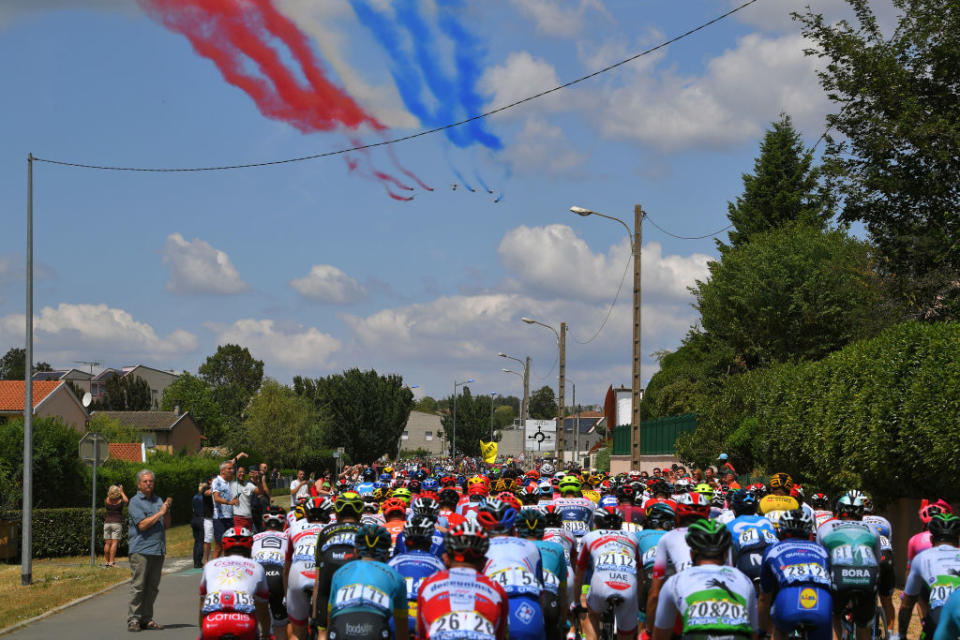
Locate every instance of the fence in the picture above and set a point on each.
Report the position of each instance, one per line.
(657, 436)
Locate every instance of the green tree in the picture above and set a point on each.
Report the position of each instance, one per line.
(112, 430)
(543, 404)
(783, 188)
(791, 293)
(367, 412)
(59, 477)
(192, 394)
(125, 393)
(12, 364)
(426, 404)
(503, 415)
(473, 422)
(282, 427)
(897, 157)
(234, 376)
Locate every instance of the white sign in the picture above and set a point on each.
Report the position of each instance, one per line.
(540, 435)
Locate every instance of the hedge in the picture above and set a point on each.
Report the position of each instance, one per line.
(64, 532)
(881, 415)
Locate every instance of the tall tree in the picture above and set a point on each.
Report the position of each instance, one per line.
(782, 189)
(12, 364)
(282, 426)
(897, 158)
(234, 376)
(367, 412)
(473, 422)
(192, 394)
(125, 393)
(543, 404)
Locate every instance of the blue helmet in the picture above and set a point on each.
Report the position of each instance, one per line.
(743, 502)
(430, 484)
(385, 477)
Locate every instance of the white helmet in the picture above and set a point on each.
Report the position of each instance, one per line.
(546, 469)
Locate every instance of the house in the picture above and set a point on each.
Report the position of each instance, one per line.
(592, 429)
(165, 430)
(98, 384)
(76, 376)
(51, 399)
(422, 431)
(128, 451)
(157, 379)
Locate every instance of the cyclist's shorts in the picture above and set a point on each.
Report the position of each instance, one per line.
(551, 612)
(625, 613)
(863, 605)
(275, 583)
(332, 560)
(298, 605)
(888, 575)
(242, 626)
(526, 618)
(359, 625)
(750, 563)
(804, 605)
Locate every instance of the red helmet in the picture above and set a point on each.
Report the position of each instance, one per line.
(929, 509)
(533, 473)
(393, 505)
(510, 499)
(237, 537)
(477, 489)
(692, 506)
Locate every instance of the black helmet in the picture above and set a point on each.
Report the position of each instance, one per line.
(708, 538)
(426, 506)
(944, 526)
(497, 516)
(743, 502)
(372, 541)
(369, 474)
(418, 532)
(607, 518)
(531, 523)
(449, 497)
(795, 524)
(466, 542)
(316, 511)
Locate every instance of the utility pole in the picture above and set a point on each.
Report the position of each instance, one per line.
(525, 409)
(576, 428)
(26, 554)
(561, 433)
(635, 382)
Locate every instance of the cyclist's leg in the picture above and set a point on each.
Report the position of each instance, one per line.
(885, 583)
(275, 583)
(298, 607)
(589, 619)
(864, 609)
(803, 605)
(840, 600)
(550, 604)
(626, 615)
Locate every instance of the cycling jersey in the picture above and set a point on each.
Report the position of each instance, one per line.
(884, 530)
(797, 573)
(672, 554)
(566, 540)
(726, 516)
(365, 594)
(554, 562)
(269, 548)
(949, 626)
(334, 548)
(469, 509)
(303, 574)
(364, 488)
(612, 558)
(854, 548)
(415, 567)
(461, 602)
(771, 502)
(750, 536)
(918, 542)
(233, 583)
(436, 545)
(820, 516)
(576, 514)
(632, 514)
(647, 546)
(516, 566)
(395, 527)
(709, 599)
(934, 575)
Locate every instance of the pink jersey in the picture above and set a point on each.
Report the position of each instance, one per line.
(918, 543)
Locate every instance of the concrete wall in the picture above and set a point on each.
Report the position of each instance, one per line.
(511, 443)
(59, 404)
(621, 464)
(419, 424)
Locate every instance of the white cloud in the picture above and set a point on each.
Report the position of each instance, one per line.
(97, 329)
(301, 348)
(520, 76)
(559, 17)
(553, 260)
(774, 15)
(542, 147)
(739, 94)
(196, 267)
(328, 284)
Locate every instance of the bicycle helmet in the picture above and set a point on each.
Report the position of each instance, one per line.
(275, 518)
(478, 490)
(372, 541)
(418, 533)
(661, 516)
(466, 542)
(497, 516)
(849, 506)
(781, 481)
(403, 494)
(426, 506)
(683, 485)
(743, 503)
(691, 506)
(530, 494)
(929, 509)
(369, 475)
(944, 527)
(625, 493)
(316, 510)
(349, 503)
(370, 504)
(449, 498)
(708, 539)
(430, 484)
(662, 488)
(820, 501)
(705, 490)
(719, 498)
(552, 517)
(867, 503)
(342, 485)
(569, 484)
(393, 506)
(238, 539)
(795, 524)
(545, 489)
(413, 486)
(475, 480)
(607, 518)
(546, 469)
(448, 481)
(531, 523)
(798, 493)
(533, 474)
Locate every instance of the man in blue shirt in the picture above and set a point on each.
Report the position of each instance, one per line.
(149, 519)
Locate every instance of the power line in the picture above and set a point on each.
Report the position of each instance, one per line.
(612, 304)
(371, 145)
(673, 235)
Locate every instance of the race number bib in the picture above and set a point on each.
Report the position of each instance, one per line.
(649, 556)
(941, 589)
(228, 601)
(621, 562)
(716, 609)
(353, 595)
(305, 552)
(516, 580)
(885, 543)
(270, 557)
(551, 583)
(462, 625)
(807, 571)
(341, 539)
(755, 537)
(575, 526)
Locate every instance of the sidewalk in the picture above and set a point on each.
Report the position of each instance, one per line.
(105, 616)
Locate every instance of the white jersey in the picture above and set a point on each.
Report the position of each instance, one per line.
(883, 528)
(820, 516)
(709, 598)
(934, 570)
(516, 565)
(615, 559)
(726, 516)
(269, 548)
(233, 583)
(302, 547)
(576, 514)
(565, 538)
(673, 554)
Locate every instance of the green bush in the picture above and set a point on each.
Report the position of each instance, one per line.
(879, 414)
(58, 474)
(65, 532)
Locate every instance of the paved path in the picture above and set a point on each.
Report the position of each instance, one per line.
(105, 616)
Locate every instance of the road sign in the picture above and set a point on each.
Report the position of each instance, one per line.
(87, 448)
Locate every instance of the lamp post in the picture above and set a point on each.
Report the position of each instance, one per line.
(561, 382)
(635, 240)
(525, 368)
(453, 440)
(492, 395)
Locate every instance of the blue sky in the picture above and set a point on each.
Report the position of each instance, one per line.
(313, 267)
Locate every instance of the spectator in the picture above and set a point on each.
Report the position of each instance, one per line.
(697, 476)
(207, 518)
(196, 525)
(224, 500)
(247, 490)
(710, 476)
(149, 519)
(112, 523)
(299, 488)
(259, 502)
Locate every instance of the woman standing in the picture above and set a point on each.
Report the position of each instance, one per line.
(114, 503)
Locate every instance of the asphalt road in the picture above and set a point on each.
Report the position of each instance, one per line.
(105, 616)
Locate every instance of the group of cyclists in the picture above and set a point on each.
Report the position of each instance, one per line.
(547, 554)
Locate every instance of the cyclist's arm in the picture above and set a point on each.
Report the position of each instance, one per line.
(764, 600)
(200, 614)
(664, 613)
(906, 612)
(653, 601)
(263, 617)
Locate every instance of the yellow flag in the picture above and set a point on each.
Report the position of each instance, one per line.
(489, 451)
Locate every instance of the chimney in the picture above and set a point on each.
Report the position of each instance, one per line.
(176, 409)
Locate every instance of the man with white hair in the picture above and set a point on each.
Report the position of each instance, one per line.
(149, 519)
(223, 491)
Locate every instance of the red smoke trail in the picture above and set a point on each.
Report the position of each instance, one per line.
(365, 172)
(356, 142)
(405, 171)
(233, 33)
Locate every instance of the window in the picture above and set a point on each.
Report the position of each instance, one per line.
(428, 435)
(405, 436)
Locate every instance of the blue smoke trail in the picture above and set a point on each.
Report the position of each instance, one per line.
(462, 179)
(482, 183)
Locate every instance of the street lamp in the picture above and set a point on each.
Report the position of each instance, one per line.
(561, 382)
(635, 242)
(525, 368)
(453, 442)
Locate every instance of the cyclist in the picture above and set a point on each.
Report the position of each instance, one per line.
(234, 592)
(365, 486)
(709, 598)
(934, 575)
(887, 578)
(335, 546)
(462, 597)
(751, 534)
(631, 512)
(576, 512)
(515, 565)
(610, 557)
(269, 550)
(414, 561)
(476, 495)
(778, 500)
(366, 596)
(795, 581)
(821, 508)
(854, 548)
(300, 567)
(531, 523)
(921, 541)
(949, 627)
(554, 532)
(660, 519)
(394, 513)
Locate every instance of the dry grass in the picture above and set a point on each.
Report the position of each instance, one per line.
(57, 581)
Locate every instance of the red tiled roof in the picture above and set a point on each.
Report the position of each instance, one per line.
(590, 414)
(12, 392)
(129, 451)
